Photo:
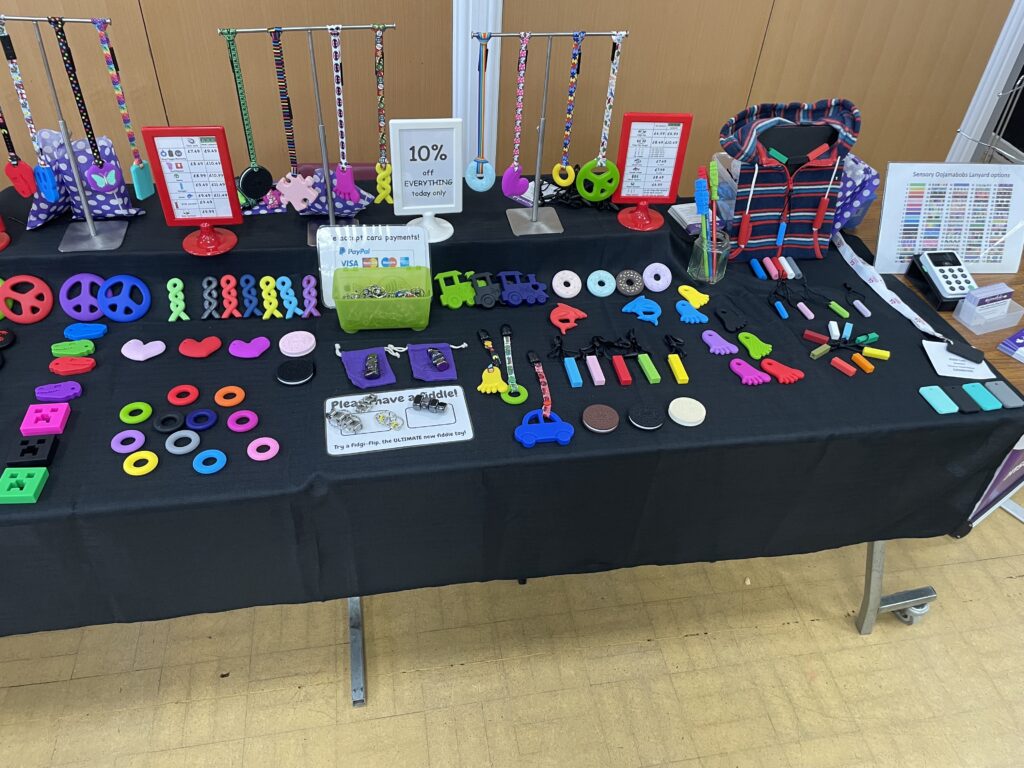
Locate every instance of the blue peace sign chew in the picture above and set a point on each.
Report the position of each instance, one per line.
(124, 298)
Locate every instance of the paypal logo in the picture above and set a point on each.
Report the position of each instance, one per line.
(353, 251)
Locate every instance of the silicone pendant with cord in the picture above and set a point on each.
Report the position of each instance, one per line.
(491, 381)
(562, 173)
(599, 178)
(344, 177)
(512, 181)
(516, 392)
(479, 173)
(255, 181)
(295, 189)
(383, 167)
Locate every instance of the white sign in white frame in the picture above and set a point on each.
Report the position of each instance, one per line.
(427, 173)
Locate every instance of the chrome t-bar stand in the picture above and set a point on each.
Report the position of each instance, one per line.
(321, 131)
(88, 235)
(537, 220)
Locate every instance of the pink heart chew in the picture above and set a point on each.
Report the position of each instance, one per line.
(249, 350)
(136, 349)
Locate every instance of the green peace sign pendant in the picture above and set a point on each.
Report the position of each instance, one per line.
(597, 185)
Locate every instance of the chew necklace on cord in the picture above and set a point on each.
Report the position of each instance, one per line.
(819, 217)
(516, 393)
(479, 173)
(562, 173)
(295, 189)
(598, 179)
(383, 167)
(542, 379)
(512, 181)
(255, 181)
(743, 235)
(98, 179)
(142, 176)
(491, 382)
(344, 177)
(16, 170)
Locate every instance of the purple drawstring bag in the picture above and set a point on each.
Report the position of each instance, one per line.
(422, 364)
(114, 204)
(858, 190)
(342, 208)
(355, 362)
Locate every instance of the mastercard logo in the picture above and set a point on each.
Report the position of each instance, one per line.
(389, 261)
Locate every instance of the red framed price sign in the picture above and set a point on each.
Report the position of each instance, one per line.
(652, 147)
(195, 181)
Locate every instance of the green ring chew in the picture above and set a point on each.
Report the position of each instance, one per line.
(135, 413)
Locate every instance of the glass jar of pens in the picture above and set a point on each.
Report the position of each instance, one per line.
(707, 264)
(710, 253)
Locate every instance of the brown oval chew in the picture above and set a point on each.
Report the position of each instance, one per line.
(600, 418)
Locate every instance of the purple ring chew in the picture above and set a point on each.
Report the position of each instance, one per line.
(135, 440)
(242, 421)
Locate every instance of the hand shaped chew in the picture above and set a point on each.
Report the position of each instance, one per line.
(717, 345)
(491, 382)
(689, 314)
(748, 374)
(754, 345)
(692, 295)
(782, 373)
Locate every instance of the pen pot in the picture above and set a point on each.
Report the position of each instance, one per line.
(706, 267)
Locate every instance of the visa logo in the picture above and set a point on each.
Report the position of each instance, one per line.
(348, 263)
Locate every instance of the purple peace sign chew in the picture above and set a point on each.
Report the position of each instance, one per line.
(717, 345)
(748, 374)
(79, 296)
(124, 298)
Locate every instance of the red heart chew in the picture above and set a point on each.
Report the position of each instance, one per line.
(69, 366)
(199, 349)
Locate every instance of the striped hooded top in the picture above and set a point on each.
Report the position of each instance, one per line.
(784, 209)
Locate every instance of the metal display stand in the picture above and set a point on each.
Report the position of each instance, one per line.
(910, 605)
(537, 220)
(321, 131)
(88, 235)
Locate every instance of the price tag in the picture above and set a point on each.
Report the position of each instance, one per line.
(427, 159)
(651, 154)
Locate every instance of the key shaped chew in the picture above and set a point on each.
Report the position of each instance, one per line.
(717, 345)
(755, 347)
(748, 374)
(692, 295)
(689, 314)
(782, 373)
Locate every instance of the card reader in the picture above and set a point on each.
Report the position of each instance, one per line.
(942, 277)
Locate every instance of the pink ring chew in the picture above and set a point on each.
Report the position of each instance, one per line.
(243, 421)
(127, 441)
(263, 449)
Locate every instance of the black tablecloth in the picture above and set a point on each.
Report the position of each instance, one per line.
(774, 470)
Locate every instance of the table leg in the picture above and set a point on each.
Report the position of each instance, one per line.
(910, 605)
(357, 651)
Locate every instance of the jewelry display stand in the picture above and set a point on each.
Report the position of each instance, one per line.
(88, 235)
(537, 220)
(313, 226)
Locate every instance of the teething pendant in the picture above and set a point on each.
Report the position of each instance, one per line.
(512, 182)
(296, 190)
(563, 175)
(142, 180)
(596, 184)
(383, 184)
(22, 178)
(46, 183)
(103, 179)
(479, 175)
(345, 184)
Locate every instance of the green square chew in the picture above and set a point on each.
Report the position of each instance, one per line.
(22, 485)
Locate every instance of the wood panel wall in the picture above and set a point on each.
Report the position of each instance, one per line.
(199, 88)
(911, 66)
(138, 75)
(673, 60)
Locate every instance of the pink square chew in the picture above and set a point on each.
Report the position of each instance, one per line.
(45, 419)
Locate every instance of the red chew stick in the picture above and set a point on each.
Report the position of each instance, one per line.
(745, 226)
(842, 366)
(819, 219)
(817, 152)
(621, 370)
(817, 338)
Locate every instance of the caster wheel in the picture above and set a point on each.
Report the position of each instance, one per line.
(913, 615)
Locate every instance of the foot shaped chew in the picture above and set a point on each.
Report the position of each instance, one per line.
(717, 345)
(748, 374)
(692, 295)
(755, 347)
(782, 373)
(491, 382)
(689, 314)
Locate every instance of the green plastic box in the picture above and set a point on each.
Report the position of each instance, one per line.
(364, 314)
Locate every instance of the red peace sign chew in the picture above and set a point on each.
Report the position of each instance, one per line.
(25, 299)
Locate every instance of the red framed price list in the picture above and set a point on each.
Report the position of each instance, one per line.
(652, 148)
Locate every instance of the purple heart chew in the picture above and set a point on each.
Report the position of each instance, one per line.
(249, 350)
(58, 393)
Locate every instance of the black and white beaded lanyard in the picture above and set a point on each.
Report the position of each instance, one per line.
(44, 177)
(562, 173)
(255, 181)
(294, 189)
(599, 178)
(98, 176)
(344, 176)
(383, 167)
